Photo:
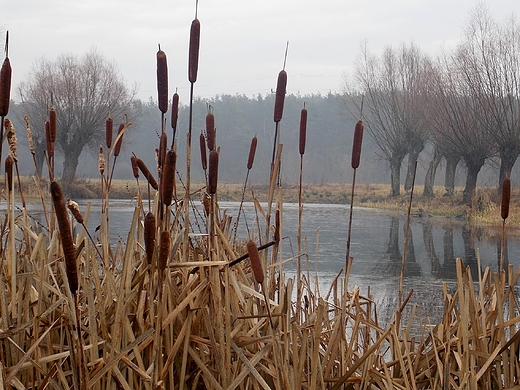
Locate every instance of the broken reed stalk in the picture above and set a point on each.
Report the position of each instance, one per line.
(117, 150)
(504, 213)
(405, 247)
(357, 144)
(76, 213)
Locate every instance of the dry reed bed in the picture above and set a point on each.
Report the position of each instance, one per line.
(202, 323)
(178, 304)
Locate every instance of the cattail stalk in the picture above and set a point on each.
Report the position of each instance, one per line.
(66, 236)
(301, 145)
(258, 273)
(213, 172)
(5, 88)
(203, 155)
(250, 161)
(193, 66)
(33, 153)
(356, 156)
(504, 213)
(53, 124)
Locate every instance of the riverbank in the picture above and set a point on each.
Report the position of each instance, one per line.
(485, 209)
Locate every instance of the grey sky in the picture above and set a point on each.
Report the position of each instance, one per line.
(242, 42)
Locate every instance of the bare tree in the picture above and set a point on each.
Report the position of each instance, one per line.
(460, 134)
(489, 57)
(391, 86)
(83, 92)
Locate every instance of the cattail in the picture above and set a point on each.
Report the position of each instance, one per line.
(168, 177)
(5, 87)
(276, 236)
(74, 209)
(175, 110)
(48, 140)
(203, 156)
(506, 196)
(281, 87)
(29, 135)
(303, 130)
(65, 235)
(147, 174)
(256, 264)
(252, 151)
(356, 146)
(149, 236)
(52, 123)
(164, 250)
(193, 60)
(101, 161)
(135, 168)
(117, 147)
(12, 141)
(109, 128)
(9, 172)
(213, 172)
(162, 80)
(210, 130)
(163, 140)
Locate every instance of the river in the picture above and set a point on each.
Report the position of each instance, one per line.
(376, 246)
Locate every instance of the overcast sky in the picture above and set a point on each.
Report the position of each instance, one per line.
(242, 41)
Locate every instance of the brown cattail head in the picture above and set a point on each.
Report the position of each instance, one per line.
(149, 236)
(52, 123)
(12, 141)
(9, 172)
(163, 141)
(175, 110)
(203, 155)
(135, 168)
(206, 202)
(147, 174)
(101, 161)
(210, 129)
(65, 235)
(29, 135)
(117, 147)
(74, 209)
(303, 130)
(162, 80)
(168, 177)
(281, 88)
(256, 264)
(506, 196)
(213, 172)
(164, 250)
(252, 151)
(5, 86)
(48, 140)
(193, 59)
(109, 129)
(356, 146)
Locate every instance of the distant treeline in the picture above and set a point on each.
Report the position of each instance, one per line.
(238, 118)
